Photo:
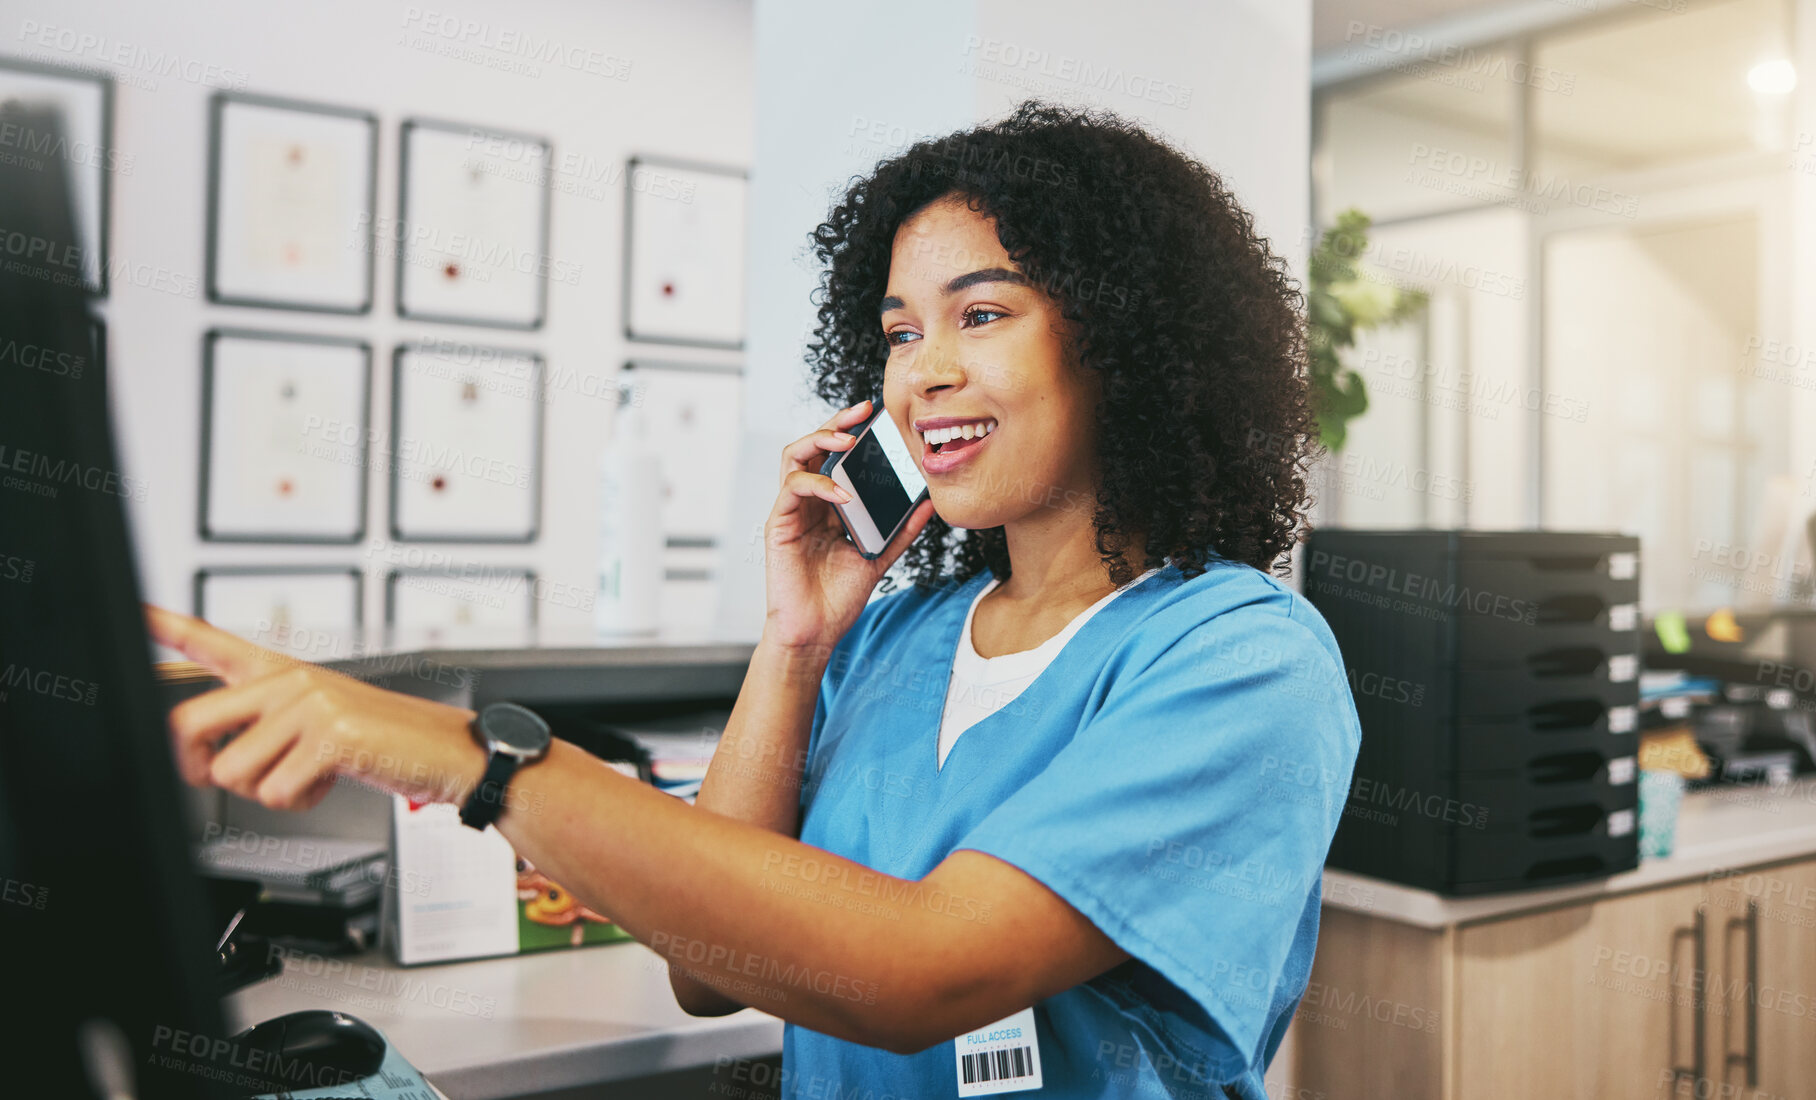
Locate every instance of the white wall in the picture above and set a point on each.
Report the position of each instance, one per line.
(686, 94)
(826, 107)
(825, 111)
(1229, 82)
(1475, 266)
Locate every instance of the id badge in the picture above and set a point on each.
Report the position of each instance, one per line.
(1003, 1057)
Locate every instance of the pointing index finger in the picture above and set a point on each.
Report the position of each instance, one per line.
(232, 658)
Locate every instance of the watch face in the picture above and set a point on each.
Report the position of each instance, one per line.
(514, 729)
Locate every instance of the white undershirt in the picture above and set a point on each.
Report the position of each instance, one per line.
(981, 686)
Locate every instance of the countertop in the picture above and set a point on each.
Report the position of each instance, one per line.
(1717, 829)
(518, 1024)
(541, 1021)
(508, 1026)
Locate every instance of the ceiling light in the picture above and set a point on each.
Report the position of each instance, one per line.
(1772, 77)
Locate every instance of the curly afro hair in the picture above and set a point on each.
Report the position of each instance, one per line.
(1204, 427)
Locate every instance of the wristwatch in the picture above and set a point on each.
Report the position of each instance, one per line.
(514, 735)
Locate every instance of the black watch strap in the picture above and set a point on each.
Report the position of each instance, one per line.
(513, 735)
(487, 800)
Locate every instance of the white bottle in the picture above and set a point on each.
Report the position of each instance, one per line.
(631, 541)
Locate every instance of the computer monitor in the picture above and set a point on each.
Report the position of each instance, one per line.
(108, 951)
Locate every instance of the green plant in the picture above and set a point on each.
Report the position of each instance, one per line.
(1345, 299)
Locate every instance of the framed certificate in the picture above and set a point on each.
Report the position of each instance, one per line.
(684, 232)
(284, 437)
(466, 443)
(291, 197)
(85, 147)
(307, 609)
(436, 605)
(473, 226)
(692, 413)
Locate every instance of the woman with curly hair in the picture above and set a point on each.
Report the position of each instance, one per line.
(1052, 817)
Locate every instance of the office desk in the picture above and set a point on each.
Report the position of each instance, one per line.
(531, 1023)
(1718, 829)
(1703, 962)
(558, 1019)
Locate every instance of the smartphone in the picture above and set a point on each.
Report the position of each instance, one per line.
(885, 485)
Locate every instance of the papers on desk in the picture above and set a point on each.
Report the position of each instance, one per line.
(678, 761)
(679, 749)
(310, 870)
(316, 893)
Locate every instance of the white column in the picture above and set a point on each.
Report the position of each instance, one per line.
(839, 86)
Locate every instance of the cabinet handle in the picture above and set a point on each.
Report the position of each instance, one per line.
(1694, 1072)
(1750, 1057)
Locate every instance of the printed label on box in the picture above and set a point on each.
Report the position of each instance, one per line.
(1623, 566)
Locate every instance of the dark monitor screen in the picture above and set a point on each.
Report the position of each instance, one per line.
(104, 928)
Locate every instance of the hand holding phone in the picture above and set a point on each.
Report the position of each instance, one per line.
(852, 500)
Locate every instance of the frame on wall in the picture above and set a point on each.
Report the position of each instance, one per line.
(502, 365)
(199, 588)
(93, 191)
(334, 235)
(669, 396)
(208, 524)
(527, 578)
(421, 296)
(701, 247)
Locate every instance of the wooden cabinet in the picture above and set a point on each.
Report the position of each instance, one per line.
(1343, 1046)
(1700, 989)
(1589, 1000)
(1762, 982)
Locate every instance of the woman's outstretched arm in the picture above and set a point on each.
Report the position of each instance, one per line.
(755, 774)
(814, 938)
(765, 920)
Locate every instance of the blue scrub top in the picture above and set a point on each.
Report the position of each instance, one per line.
(1175, 774)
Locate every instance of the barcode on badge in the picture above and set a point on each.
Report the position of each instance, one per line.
(997, 1065)
(1002, 1057)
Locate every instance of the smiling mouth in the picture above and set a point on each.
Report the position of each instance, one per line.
(955, 445)
(946, 440)
(946, 450)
